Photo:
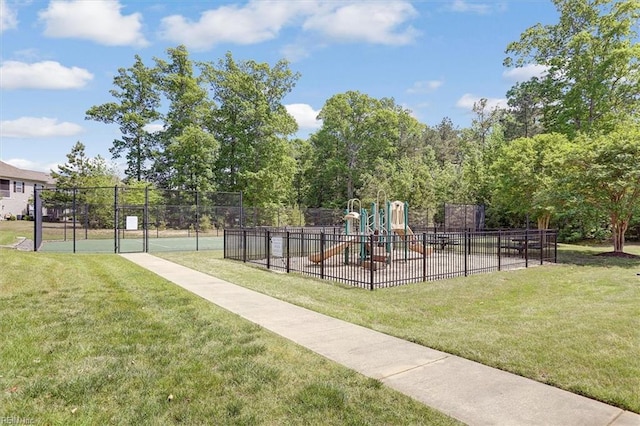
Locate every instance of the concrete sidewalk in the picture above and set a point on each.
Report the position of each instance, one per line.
(470, 392)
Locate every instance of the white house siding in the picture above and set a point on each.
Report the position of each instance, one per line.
(16, 196)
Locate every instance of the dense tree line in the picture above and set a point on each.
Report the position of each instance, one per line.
(563, 152)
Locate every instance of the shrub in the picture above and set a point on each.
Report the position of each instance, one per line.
(204, 223)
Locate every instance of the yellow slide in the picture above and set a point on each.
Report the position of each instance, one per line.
(414, 244)
(331, 251)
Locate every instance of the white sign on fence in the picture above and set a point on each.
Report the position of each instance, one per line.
(132, 223)
(276, 246)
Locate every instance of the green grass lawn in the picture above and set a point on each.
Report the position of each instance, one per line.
(10, 230)
(575, 325)
(94, 339)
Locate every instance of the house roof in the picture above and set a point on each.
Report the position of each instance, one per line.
(9, 171)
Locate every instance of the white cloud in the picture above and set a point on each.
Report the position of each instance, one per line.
(256, 22)
(42, 75)
(305, 116)
(37, 127)
(425, 86)
(525, 73)
(259, 21)
(468, 100)
(372, 22)
(153, 127)
(21, 163)
(8, 17)
(98, 21)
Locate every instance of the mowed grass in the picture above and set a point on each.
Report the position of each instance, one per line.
(575, 325)
(10, 230)
(94, 339)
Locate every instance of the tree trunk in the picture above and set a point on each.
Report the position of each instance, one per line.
(619, 227)
(543, 221)
(543, 224)
(350, 190)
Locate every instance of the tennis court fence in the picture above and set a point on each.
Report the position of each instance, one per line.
(117, 216)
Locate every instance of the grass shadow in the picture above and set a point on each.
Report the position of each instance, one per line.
(593, 256)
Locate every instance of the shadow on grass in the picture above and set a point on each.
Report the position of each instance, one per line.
(598, 256)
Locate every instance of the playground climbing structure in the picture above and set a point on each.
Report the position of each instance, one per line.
(381, 223)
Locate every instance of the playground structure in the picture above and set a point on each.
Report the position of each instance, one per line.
(382, 224)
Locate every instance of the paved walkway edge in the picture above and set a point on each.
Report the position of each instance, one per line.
(463, 389)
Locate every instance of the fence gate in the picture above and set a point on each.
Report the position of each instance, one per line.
(131, 230)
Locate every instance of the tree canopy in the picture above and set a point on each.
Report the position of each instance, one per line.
(592, 64)
(224, 126)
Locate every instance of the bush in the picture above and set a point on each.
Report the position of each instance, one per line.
(204, 223)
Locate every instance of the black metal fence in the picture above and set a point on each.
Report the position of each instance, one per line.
(379, 261)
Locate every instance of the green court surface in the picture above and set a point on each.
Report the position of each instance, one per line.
(132, 245)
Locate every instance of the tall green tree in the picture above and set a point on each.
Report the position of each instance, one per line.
(525, 177)
(444, 138)
(357, 130)
(137, 106)
(483, 122)
(523, 116)
(605, 174)
(252, 127)
(409, 179)
(90, 182)
(188, 114)
(192, 155)
(593, 64)
(81, 170)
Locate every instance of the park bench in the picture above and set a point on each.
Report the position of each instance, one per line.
(521, 244)
(441, 241)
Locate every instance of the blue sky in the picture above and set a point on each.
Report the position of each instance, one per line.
(58, 58)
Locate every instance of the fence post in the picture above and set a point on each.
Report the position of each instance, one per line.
(499, 249)
(466, 253)
(73, 217)
(322, 256)
(145, 221)
(526, 247)
(542, 241)
(115, 219)
(302, 243)
(371, 267)
(37, 218)
(244, 245)
(224, 244)
(424, 256)
(197, 227)
(288, 257)
(267, 242)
